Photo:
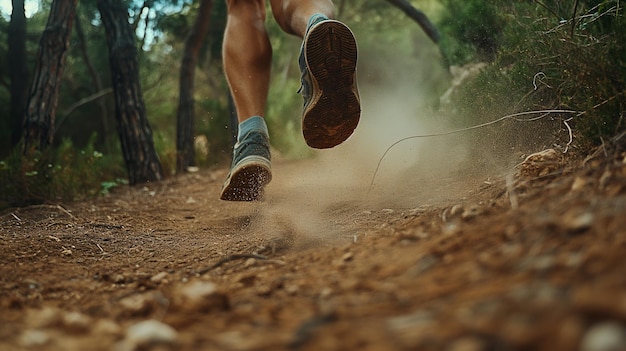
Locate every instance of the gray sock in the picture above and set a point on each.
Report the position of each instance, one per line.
(314, 19)
(254, 123)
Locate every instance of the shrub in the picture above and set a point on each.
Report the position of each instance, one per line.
(64, 173)
(547, 60)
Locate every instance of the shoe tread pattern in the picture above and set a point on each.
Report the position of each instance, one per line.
(334, 110)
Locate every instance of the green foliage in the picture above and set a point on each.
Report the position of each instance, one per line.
(471, 30)
(63, 173)
(176, 24)
(550, 58)
(107, 186)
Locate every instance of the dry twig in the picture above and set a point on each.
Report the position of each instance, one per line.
(514, 116)
(231, 258)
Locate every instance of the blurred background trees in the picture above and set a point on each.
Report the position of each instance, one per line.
(532, 54)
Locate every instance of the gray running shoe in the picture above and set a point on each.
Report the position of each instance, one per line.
(332, 107)
(251, 169)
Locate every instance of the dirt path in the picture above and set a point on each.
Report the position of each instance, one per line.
(492, 261)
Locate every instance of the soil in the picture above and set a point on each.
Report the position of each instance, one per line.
(531, 257)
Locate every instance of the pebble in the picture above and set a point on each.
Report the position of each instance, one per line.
(34, 337)
(134, 303)
(159, 277)
(46, 317)
(292, 289)
(142, 304)
(119, 279)
(146, 334)
(76, 322)
(414, 320)
(106, 327)
(579, 183)
(577, 222)
(468, 343)
(540, 163)
(453, 212)
(609, 336)
(470, 213)
(202, 296)
(326, 292)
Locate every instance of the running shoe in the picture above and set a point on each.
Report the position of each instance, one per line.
(332, 106)
(251, 169)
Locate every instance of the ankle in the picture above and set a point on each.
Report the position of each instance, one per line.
(254, 123)
(314, 19)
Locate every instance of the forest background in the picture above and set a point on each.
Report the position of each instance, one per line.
(515, 56)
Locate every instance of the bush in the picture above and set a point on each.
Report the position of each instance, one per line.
(471, 31)
(64, 173)
(547, 60)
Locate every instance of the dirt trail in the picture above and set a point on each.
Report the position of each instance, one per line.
(529, 259)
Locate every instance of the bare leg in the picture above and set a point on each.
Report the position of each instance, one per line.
(247, 52)
(293, 15)
(247, 56)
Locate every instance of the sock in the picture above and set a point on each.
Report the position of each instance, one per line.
(254, 123)
(314, 19)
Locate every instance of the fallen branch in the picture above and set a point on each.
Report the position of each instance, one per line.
(231, 258)
(82, 102)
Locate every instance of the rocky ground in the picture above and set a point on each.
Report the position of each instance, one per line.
(529, 258)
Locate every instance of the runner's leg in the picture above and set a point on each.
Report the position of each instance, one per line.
(247, 56)
(293, 15)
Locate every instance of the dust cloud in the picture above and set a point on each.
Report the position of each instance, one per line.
(351, 173)
(311, 201)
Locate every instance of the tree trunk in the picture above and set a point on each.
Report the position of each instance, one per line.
(44, 92)
(185, 122)
(18, 73)
(142, 161)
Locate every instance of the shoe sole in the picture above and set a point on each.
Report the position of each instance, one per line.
(247, 180)
(334, 111)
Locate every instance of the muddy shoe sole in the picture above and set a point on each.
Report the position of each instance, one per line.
(247, 180)
(333, 112)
